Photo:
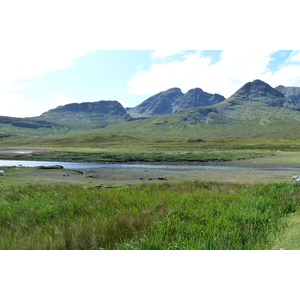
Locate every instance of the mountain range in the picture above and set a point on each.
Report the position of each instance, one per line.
(173, 101)
(256, 109)
(87, 115)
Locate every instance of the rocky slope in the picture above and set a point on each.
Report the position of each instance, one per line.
(255, 100)
(173, 101)
(290, 92)
(259, 91)
(196, 98)
(157, 105)
(87, 115)
(255, 110)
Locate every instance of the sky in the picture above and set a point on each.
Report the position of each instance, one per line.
(58, 52)
(62, 51)
(131, 76)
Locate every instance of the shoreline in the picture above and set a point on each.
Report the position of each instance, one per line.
(242, 163)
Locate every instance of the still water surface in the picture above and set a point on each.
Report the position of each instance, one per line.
(85, 165)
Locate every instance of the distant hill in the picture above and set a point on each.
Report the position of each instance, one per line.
(255, 101)
(173, 101)
(87, 115)
(10, 127)
(290, 92)
(255, 110)
(259, 91)
(157, 105)
(196, 98)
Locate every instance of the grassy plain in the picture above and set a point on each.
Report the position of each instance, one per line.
(64, 209)
(116, 148)
(167, 216)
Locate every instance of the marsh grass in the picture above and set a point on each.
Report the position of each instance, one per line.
(143, 154)
(165, 216)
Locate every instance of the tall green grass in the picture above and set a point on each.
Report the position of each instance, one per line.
(167, 216)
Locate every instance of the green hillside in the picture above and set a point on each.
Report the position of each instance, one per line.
(225, 120)
(255, 111)
(86, 115)
(11, 127)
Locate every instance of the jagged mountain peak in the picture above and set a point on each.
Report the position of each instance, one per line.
(159, 104)
(260, 91)
(257, 88)
(196, 98)
(195, 90)
(172, 90)
(173, 100)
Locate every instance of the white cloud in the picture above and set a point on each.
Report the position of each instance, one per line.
(234, 69)
(16, 105)
(294, 57)
(36, 40)
(287, 76)
(30, 63)
(43, 36)
(56, 99)
(184, 74)
(162, 54)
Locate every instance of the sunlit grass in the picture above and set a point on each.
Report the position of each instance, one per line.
(166, 216)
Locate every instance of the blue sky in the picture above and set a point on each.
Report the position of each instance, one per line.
(131, 76)
(58, 52)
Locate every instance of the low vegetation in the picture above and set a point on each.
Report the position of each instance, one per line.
(121, 148)
(166, 216)
(141, 154)
(257, 124)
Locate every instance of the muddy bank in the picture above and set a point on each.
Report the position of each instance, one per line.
(260, 170)
(117, 177)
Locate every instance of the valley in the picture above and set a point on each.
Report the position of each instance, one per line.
(187, 149)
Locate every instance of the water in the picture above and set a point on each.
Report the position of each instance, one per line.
(85, 165)
(34, 163)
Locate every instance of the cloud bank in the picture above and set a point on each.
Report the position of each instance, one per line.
(43, 36)
(230, 72)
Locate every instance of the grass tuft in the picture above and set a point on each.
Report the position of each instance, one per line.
(165, 216)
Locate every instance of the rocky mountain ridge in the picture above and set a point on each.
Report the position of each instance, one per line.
(158, 104)
(254, 100)
(251, 100)
(255, 110)
(290, 92)
(87, 115)
(261, 92)
(173, 101)
(111, 107)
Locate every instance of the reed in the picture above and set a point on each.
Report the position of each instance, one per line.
(165, 216)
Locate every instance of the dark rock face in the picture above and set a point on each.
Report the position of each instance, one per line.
(173, 101)
(196, 98)
(27, 123)
(103, 107)
(290, 92)
(87, 115)
(159, 104)
(262, 92)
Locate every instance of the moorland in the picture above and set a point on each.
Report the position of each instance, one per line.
(242, 198)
